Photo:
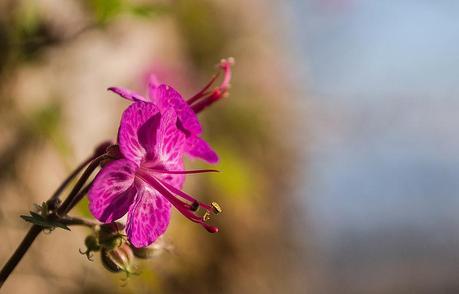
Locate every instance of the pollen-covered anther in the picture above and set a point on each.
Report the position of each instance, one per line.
(216, 208)
(227, 61)
(206, 216)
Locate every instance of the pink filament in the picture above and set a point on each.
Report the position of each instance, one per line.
(203, 98)
(184, 208)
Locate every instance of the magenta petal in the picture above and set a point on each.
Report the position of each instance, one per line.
(132, 121)
(153, 84)
(148, 217)
(127, 94)
(197, 147)
(113, 190)
(176, 180)
(166, 97)
(170, 142)
(147, 134)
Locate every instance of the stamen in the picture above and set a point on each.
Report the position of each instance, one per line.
(185, 172)
(216, 208)
(203, 93)
(184, 208)
(195, 206)
(203, 99)
(206, 216)
(184, 195)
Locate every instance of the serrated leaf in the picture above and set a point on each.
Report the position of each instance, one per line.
(36, 215)
(39, 220)
(44, 209)
(61, 225)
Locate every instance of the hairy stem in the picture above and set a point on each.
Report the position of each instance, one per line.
(75, 195)
(76, 221)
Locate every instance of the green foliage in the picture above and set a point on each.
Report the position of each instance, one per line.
(202, 30)
(43, 219)
(106, 11)
(27, 33)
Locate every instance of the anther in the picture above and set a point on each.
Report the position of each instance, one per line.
(206, 216)
(216, 208)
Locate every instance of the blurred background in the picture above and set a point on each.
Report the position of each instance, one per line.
(337, 143)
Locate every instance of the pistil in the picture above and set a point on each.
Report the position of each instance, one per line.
(205, 98)
(188, 209)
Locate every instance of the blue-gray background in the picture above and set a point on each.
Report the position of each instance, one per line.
(383, 159)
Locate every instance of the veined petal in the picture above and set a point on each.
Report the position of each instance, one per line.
(174, 179)
(170, 141)
(147, 134)
(113, 190)
(127, 94)
(132, 135)
(197, 147)
(148, 217)
(166, 97)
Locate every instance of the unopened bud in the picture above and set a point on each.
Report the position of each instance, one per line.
(91, 246)
(110, 235)
(118, 259)
(91, 243)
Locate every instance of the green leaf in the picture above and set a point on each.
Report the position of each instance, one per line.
(42, 221)
(61, 225)
(37, 221)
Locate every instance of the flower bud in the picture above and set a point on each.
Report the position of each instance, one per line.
(118, 259)
(110, 235)
(92, 245)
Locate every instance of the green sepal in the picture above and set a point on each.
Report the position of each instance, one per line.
(44, 222)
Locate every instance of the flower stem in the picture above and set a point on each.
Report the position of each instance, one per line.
(72, 199)
(64, 184)
(33, 233)
(76, 221)
(100, 150)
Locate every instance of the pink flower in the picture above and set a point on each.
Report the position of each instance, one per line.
(149, 178)
(165, 97)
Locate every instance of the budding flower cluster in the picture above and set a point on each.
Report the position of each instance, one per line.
(116, 253)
